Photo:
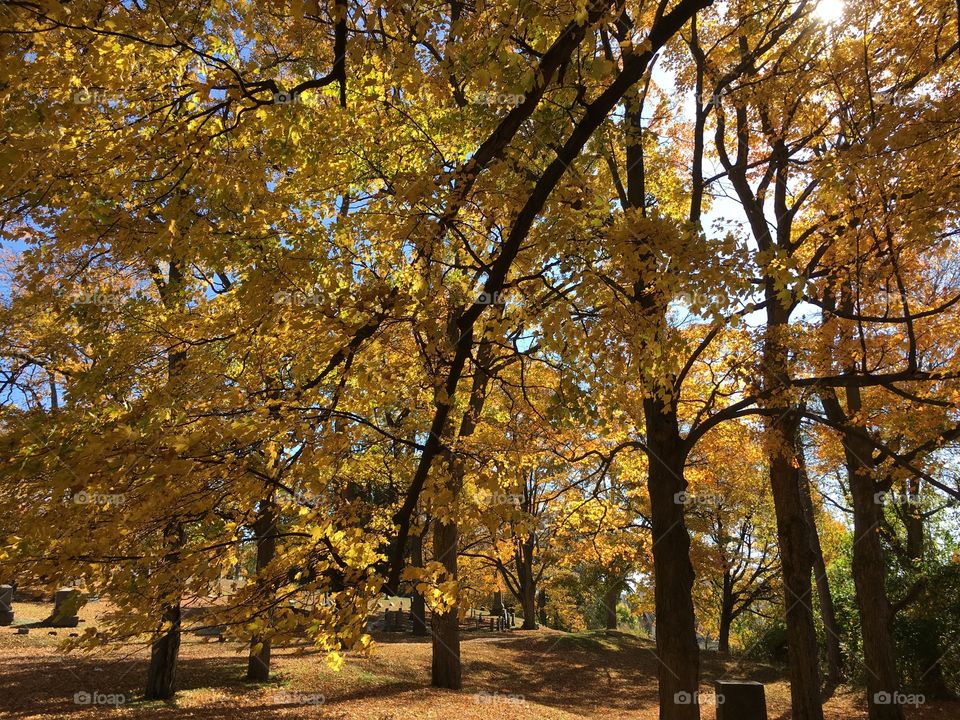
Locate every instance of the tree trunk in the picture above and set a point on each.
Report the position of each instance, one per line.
(869, 563)
(678, 671)
(828, 616)
(610, 600)
(933, 684)
(265, 532)
(445, 669)
(529, 607)
(876, 614)
(726, 614)
(162, 672)
(164, 651)
(793, 534)
(679, 667)
(797, 562)
(542, 606)
(418, 606)
(913, 519)
(528, 583)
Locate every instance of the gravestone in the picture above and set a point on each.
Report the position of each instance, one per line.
(389, 621)
(211, 630)
(740, 701)
(66, 603)
(497, 607)
(6, 604)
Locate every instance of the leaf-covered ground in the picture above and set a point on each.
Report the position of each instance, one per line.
(542, 674)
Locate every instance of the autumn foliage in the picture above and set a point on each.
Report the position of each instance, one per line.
(612, 308)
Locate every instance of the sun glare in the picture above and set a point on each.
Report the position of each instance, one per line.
(829, 10)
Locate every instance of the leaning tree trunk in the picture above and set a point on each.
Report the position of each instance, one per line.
(793, 534)
(265, 532)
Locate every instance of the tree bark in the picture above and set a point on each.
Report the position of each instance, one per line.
(828, 614)
(445, 668)
(418, 606)
(162, 672)
(869, 562)
(678, 671)
(529, 607)
(793, 534)
(164, 651)
(876, 614)
(527, 582)
(677, 648)
(913, 519)
(265, 532)
(726, 614)
(610, 600)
